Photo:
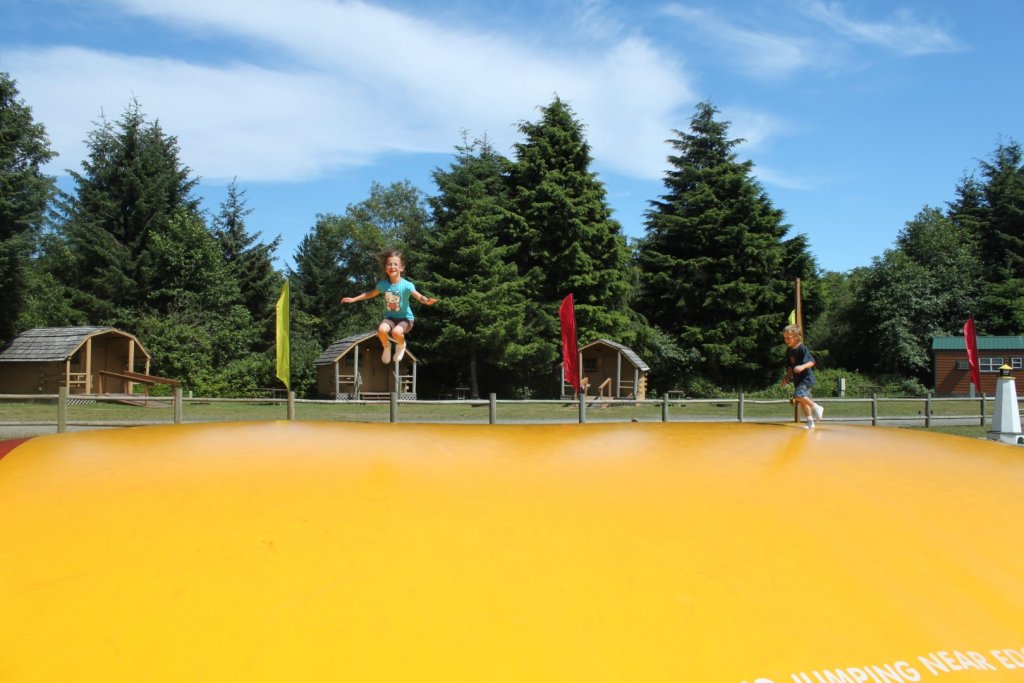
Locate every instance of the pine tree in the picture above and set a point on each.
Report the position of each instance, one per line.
(992, 209)
(717, 269)
(479, 333)
(131, 185)
(250, 263)
(563, 236)
(24, 194)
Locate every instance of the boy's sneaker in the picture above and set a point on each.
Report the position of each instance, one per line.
(818, 411)
(385, 357)
(399, 351)
(810, 423)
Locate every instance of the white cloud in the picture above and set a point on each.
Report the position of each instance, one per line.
(902, 33)
(357, 81)
(760, 54)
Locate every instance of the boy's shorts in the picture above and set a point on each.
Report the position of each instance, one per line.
(803, 389)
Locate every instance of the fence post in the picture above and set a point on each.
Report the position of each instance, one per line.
(291, 405)
(62, 410)
(739, 408)
(178, 401)
(664, 408)
(492, 409)
(928, 409)
(874, 409)
(583, 406)
(394, 406)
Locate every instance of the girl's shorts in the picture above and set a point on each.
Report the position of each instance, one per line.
(392, 323)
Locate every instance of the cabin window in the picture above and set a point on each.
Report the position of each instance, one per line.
(963, 365)
(590, 365)
(991, 364)
(1017, 363)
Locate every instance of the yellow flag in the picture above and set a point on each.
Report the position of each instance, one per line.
(792, 317)
(283, 351)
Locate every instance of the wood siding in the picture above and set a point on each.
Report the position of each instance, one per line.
(949, 381)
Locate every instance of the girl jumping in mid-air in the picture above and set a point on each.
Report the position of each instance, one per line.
(397, 291)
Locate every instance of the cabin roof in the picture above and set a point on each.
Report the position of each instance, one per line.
(54, 344)
(629, 353)
(339, 348)
(1014, 343)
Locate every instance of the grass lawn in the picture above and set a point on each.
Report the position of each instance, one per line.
(41, 416)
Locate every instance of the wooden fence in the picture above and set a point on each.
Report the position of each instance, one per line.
(733, 408)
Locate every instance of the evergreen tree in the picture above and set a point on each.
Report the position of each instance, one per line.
(196, 326)
(993, 209)
(250, 263)
(131, 185)
(1002, 232)
(563, 237)
(24, 194)
(717, 269)
(480, 335)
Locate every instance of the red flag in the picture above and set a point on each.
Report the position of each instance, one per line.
(971, 339)
(570, 353)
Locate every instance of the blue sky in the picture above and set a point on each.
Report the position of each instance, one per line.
(856, 113)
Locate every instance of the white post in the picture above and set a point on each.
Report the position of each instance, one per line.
(1006, 414)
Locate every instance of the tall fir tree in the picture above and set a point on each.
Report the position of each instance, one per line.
(194, 322)
(717, 271)
(993, 209)
(130, 186)
(250, 262)
(563, 236)
(479, 337)
(24, 194)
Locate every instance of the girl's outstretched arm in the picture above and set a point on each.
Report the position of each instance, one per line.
(365, 295)
(423, 299)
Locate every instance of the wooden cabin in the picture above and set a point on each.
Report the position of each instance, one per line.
(350, 369)
(952, 374)
(610, 370)
(87, 360)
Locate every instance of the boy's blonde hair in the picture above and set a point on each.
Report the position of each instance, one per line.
(793, 331)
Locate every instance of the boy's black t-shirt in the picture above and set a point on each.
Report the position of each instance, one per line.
(798, 356)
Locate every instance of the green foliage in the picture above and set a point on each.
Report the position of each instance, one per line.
(198, 346)
(924, 287)
(250, 264)
(716, 267)
(24, 194)
(673, 367)
(478, 334)
(131, 185)
(184, 262)
(564, 240)
(992, 208)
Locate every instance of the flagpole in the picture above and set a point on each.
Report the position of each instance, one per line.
(799, 310)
